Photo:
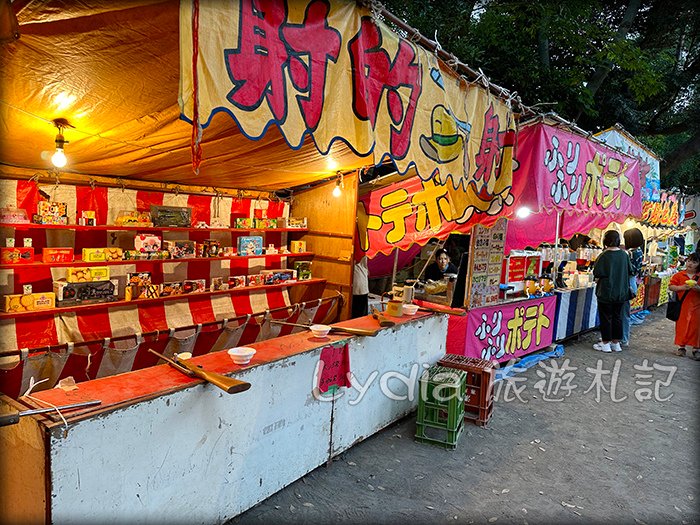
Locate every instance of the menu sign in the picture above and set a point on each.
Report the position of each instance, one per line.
(485, 263)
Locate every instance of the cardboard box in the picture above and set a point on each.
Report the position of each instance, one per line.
(94, 255)
(17, 255)
(246, 223)
(90, 292)
(237, 281)
(171, 288)
(174, 216)
(279, 276)
(133, 292)
(303, 269)
(57, 255)
(29, 302)
(264, 224)
(250, 245)
(49, 219)
(297, 246)
(99, 273)
(256, 280)
(217, 283)
(194, 286)
(129, 255)
(12, 215)
(57, 209)
(133, 218)
(113, 254)
(138, 279)
(181, 249)
(292, 222)
(78, 275)
(147, 243)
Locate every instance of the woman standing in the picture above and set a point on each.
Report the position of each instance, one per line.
(685, 283)
(612, 272)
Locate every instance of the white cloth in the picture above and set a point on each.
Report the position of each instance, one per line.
(360, 280)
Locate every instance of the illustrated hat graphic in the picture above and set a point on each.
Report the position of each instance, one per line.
(445, 144)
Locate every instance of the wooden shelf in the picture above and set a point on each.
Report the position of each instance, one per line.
(77, 263)
(138, 302)
(148, 229)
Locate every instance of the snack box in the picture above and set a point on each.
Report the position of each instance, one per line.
(136, 291)
(94, 255)
(17, 255)
(49, 219)
(279, 276)
(12, 215)
(138, 278)
(52, 208)
(29, 302)
(94, 291)
(181, 249)
(250, 245)
(244, 223)
(78, 275)
(211, 248)
(113, 254)
(297, 246)
(171, 288)
(265, 223)
(88, 214)
(256, 280)
(133, 218)
(99, 273)
(129, 255)
(292, 222)
(237, 281)
(57, 255)
(303, 269)
(194, 286)
(147, 243)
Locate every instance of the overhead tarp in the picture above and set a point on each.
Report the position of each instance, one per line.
(330, 71)
(649, 173)
(556, 171)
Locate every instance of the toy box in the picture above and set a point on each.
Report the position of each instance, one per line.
(49, 219)
(247, 223)
(292, 222)
(95, 291)
(171, 288)
(237, 281)
(174, 216)
(57, 255)
(133, 218)
(297, 246)
(217, 283)
(181, 249)
(194, 286)
(113, 254)
(147, 243)
(250, 245)
(256, 280)
(12, 215)
(129, 255)
(94, 255)
(211, 248)
(57, 209)
(303, 269)
(264, 224)
(29, 302)
(279, 276)
(18, 255)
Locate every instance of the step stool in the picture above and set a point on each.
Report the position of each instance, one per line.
(480, 376)
(440, 417)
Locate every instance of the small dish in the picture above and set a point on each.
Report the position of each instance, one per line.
(409, 309)
(241, 355)
(320, 330)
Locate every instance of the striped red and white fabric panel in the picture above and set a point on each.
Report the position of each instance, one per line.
(108, 203)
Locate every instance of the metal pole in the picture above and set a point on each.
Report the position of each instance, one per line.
(556, 243)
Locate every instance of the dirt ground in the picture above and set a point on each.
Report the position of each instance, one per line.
(581, 459)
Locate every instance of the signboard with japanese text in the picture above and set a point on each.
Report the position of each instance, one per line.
(486, 261)
(668, 210)
(649, 174)
(574, 174)
(326, 69)
(335, 367)
(510, 330)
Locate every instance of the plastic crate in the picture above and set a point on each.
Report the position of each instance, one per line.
(440, 417)
(479, 392)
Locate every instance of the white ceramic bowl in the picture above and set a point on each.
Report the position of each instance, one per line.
(320, 330)
(241, 355)
(409, 309)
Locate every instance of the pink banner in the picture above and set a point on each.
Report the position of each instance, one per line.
(506, 331)
(574, 174)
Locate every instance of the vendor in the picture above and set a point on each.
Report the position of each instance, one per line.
(442, 265)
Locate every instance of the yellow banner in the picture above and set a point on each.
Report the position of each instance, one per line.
(329, 70)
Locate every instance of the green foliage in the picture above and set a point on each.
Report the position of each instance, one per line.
(576, 59)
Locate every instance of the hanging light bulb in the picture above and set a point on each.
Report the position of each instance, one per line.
(58, 159)
(338, 191)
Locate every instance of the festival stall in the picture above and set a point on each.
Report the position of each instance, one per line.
(579, 185)
(183, 236)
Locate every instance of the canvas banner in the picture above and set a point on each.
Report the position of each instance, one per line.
(559, 170)
(668, 210)
(329, 71)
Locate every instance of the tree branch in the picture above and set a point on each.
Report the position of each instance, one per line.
(682, 153)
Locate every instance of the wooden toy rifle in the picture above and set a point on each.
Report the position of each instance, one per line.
(225, 383)
(334, 329)
(13, 417)
(379, 316)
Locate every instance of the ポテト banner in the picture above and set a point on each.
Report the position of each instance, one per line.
(559, 170)
(510, 330)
